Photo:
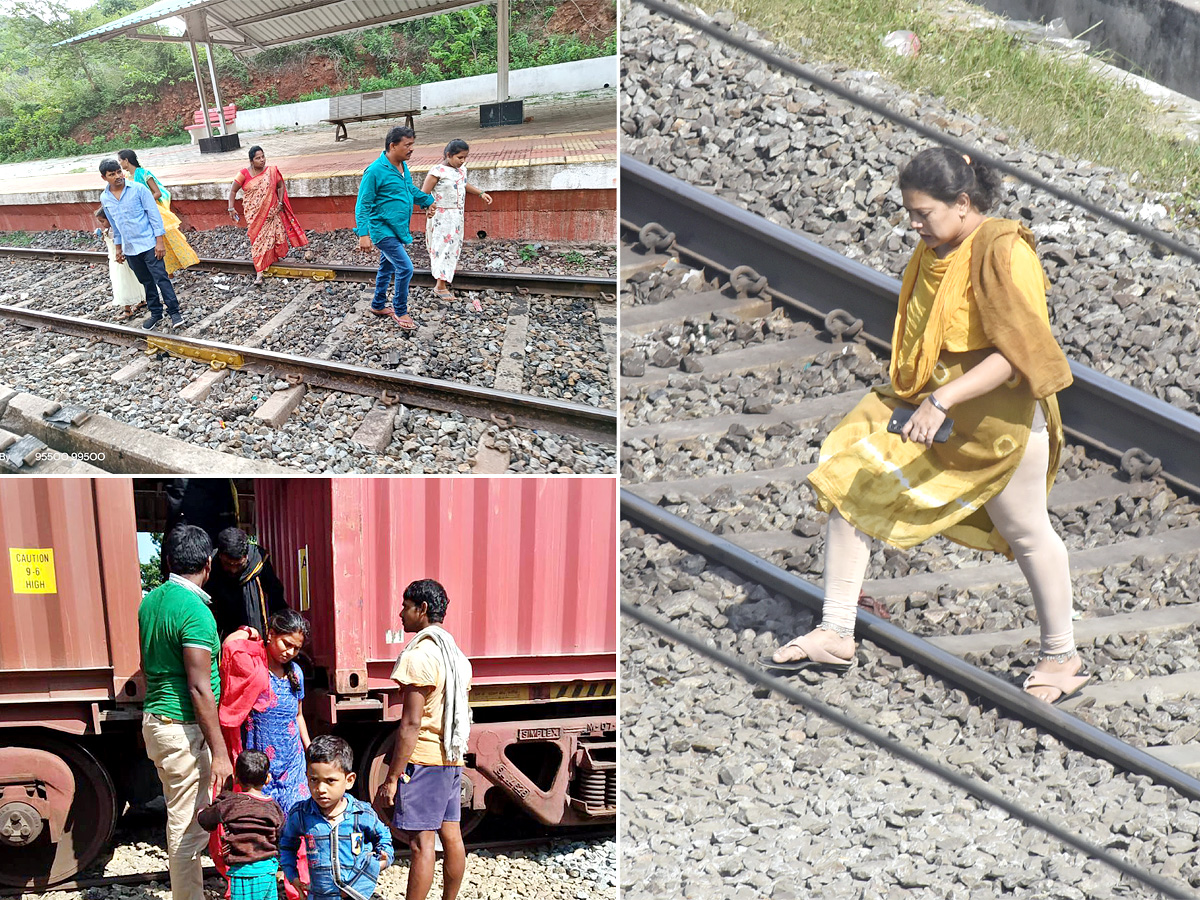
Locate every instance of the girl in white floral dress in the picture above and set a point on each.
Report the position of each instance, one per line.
(447, 182)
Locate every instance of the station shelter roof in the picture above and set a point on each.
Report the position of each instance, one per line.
(250, 26)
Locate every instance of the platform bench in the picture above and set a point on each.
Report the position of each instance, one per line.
(389, 104)
(197, 129)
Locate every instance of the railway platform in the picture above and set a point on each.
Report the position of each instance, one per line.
(553, 177)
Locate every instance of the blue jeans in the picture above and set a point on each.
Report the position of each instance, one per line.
(393, 263)
(152, 274)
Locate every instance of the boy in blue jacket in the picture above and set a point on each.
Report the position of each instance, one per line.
(347, 844)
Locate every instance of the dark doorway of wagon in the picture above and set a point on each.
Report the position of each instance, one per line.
(248, 27)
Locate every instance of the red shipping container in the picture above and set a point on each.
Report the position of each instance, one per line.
(529, 565)
(68, 596)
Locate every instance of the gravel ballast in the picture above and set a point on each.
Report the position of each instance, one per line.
(316, 438)
(559, 870)
(728, 791)
(771, 144)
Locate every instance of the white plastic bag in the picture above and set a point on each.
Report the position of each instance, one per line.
(903, 43)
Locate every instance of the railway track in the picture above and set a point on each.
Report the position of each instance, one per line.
(732, 380)
(563, 286)
(535, 367)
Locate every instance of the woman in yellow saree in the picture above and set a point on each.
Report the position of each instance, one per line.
(971, 341)
(179, 253)
(270, 223)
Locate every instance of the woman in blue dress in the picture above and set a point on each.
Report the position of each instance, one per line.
(274, 720)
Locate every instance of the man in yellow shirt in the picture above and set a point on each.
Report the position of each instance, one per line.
(425, 774)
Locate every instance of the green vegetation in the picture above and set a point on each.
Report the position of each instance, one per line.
(530, 252)
(152, 570)
(47, 92)
(575, 258)
(1059, 104)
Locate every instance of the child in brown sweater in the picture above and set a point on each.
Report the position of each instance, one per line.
(252, 822)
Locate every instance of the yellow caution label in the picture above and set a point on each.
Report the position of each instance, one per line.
(496, 694)
(490, 694)
(584, 690)
(302, 563)
(33, 570)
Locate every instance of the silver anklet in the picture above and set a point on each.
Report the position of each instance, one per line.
(1058, 657)
(837, 629)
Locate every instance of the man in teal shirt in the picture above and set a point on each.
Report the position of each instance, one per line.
(180, 649)
(385, 205)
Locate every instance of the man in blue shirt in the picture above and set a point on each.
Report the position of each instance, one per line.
(137, 230)
(385, 206)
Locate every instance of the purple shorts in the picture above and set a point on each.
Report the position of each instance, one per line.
(430, 798)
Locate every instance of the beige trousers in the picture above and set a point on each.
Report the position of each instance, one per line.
(184, 764)
(1019, 514)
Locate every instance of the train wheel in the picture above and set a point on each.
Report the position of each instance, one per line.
(375, 765)
(86, 832)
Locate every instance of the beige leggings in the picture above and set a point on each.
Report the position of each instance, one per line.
(1019, 514)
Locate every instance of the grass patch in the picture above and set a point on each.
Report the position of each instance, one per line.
(16, 239)
(1058, 104)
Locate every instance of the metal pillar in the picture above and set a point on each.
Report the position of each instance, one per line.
(199, 82)
(212, 73)
(501, 50)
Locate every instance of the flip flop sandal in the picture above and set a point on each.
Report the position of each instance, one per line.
(801, 665)
(442, 294)
(816, 657)
(1066, 685)
(410, 325)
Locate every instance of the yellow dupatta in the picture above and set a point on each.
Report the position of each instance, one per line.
(920, 328)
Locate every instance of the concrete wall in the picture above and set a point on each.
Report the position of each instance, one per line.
(1159, 39)
(563, 78)
(289, 115)
(538, 215)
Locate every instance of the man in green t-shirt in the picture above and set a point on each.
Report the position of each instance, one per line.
(180, 650)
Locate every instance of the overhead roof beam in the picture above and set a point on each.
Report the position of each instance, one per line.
(367, 23)
(246, 39)
(303, 7)
(160, 38)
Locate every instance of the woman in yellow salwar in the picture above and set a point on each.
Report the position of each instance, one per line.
(179, 253)
(971, 342)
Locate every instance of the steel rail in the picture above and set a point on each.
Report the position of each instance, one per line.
(886, 742)
(1004, 695)
(778, 62)
(1100, 410)
(502, 407)
(582, 286)
(79, 884)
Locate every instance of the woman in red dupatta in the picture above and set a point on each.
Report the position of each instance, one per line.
(270, 222)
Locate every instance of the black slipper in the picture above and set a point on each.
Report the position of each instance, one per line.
(799, 665)
(816, 657)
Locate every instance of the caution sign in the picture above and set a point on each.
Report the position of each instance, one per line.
(302, 573)
(33, 570)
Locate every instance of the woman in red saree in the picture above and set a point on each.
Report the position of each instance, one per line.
(270, 222)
